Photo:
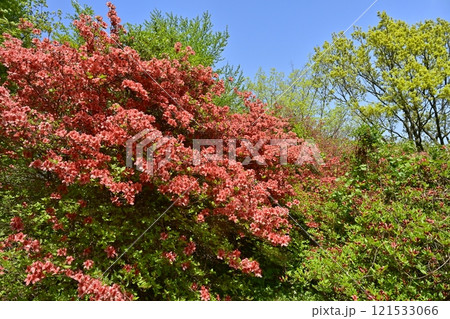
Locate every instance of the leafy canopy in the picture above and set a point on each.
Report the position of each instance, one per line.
(395, 75)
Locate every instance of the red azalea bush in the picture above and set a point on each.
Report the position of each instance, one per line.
(66, 116)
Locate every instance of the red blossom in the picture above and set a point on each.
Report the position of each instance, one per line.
(55, 196)
(82, 203)
(61, 252)
(88, 264)
(190, 248)
(17, 224)
(200, 218)
(69, 260)
(177, 46)
(185, 265)
(24, 24)
(312, 224)
(204, 294)
(71, 216)
(39, 270)
(97, 290)
(220, 254)
(127, 268)
(87, 251)
(164, 236)
(32, 245)
(171, 256)
(86, 284)
(245, 265)
(88, 220)
(111, 252)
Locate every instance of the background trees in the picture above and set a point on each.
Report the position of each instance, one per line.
(303, 98)
(394, 75)
(11, 11)
(156, 38)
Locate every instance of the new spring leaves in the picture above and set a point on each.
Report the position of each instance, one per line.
(158, 146)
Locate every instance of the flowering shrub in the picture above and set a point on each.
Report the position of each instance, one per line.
(370, 223)
(63, 134)
(382, 226)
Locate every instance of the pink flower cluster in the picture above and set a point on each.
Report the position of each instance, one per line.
(38, 271)
(111, 252)
(16, 224)
(87, 285)
(171, 256)
(20, 241)
(88, 264)
(190, 248)
(234, 261)
(96, 289)
(204, 293)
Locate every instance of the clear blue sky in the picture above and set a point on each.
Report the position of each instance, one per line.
(274, 34)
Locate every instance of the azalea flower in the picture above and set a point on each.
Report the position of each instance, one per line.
(88, 264)
(69, 260)
(111, 252)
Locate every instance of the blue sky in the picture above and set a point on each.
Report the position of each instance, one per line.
(274, 34)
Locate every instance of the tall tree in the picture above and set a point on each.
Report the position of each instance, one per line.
(301, 98)
(156, 38)
(395, 75)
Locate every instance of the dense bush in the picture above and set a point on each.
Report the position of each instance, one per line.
(66, 186)
(77, 223)
(382, 226)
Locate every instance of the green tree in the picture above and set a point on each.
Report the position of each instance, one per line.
(156, 38)
(394, 75)
(301, 98)
(10, 13)
(34, 11)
